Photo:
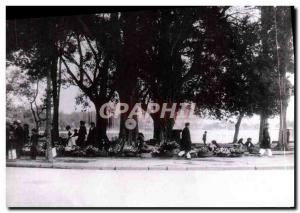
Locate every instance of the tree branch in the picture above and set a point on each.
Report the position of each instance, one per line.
(81, 70)
(85, 89)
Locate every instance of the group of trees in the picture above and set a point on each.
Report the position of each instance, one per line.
(220, 58)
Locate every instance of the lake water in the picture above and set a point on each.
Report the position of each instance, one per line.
(220, 135)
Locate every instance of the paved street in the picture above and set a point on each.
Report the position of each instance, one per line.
(277, 161)
(106, 188)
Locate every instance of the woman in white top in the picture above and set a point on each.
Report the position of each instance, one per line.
(71, 140)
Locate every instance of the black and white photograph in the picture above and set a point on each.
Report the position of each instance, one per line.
(150, 106)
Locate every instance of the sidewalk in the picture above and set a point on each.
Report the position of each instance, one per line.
(277, 161)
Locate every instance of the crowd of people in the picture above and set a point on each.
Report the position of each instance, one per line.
(18, 136)
(83, 138)
(186, 143)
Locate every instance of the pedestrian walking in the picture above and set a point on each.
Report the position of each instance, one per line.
(185, 142)
(204, 137)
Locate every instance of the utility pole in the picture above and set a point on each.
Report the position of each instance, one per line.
(282, 139)
(49, 155)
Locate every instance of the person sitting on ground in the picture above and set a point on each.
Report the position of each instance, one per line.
(213, 145)
(240, 141)
(105, 144)
(34, 142)
(186, 142)
(140, 141)
(249, 143)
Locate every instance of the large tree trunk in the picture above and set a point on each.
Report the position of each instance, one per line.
(49, 156)
(284, 52)
(124, 132)
(128, 135)
(158, 132)
(262, 124)
(163, 128)
(101, 123)
(237, 128)
(170, 122)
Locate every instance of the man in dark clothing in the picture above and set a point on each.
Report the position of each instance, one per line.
(288, 136)
(19, 137)
(249, 143)
(204, 137)
(265, 145)
(10, 137)
(26, 133)
(92, 138)
(185, 142)
(81, 134)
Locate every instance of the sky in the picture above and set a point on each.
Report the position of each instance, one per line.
(67, 105)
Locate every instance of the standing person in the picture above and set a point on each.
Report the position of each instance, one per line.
(81, 134)
(34, 142)
(265, 146)
(204, 137)
(10, 138)
(8, 132)
(91, 138)
(75, 137)
(19, 137)
(288, 136)
(71, 139)
(26, 133)
(185, 142)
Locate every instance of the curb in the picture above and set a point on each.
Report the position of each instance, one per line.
(153, 168)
